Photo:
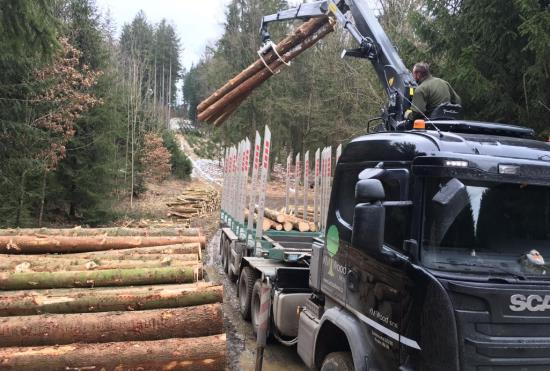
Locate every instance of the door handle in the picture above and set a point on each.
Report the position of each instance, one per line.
(352, 279)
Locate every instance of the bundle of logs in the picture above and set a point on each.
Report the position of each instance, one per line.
(279, 221)
(106, 299)
(193, 203)
(219, 106)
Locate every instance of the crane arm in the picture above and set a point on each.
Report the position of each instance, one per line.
(374, 45)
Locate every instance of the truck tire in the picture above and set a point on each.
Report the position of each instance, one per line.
(255, 305)
(229, 257)
(227, 254)
(246, 284)
(338, 361)
(224, 254)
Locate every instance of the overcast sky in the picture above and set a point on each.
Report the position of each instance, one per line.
(197, 22)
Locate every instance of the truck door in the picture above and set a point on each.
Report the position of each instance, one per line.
(375, 289)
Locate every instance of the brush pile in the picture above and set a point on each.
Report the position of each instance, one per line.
(106, 299)
(219, 106)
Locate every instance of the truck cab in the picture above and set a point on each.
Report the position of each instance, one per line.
(434, 252)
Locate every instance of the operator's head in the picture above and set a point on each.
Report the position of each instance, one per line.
(421, 70)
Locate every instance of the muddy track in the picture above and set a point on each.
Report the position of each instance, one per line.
(241, 341)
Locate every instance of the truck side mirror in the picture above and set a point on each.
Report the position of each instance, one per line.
(369, 216)
(369, 190)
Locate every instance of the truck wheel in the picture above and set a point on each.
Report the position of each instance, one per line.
(338, 361)
(224, 254)
(255, 306)
(246, 284)
(227, 255)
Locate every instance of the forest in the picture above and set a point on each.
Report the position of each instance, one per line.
(83, 115)
(84, 111)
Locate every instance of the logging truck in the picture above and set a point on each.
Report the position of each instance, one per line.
(431, 242)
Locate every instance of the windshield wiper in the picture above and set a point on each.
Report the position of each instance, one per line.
(494, 268)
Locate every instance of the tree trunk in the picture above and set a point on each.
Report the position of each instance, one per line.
(113, 232)
(188, 248)
(257, 79)
(284, 46)
(24, 303)
(42, 197)
(275, 215)
(108, 277)
(104, 256)
(205, 353)
(299, 224)
(14, 263)
(154, 324)
(62, 244)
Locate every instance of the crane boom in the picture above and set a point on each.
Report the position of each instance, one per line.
(374, 45)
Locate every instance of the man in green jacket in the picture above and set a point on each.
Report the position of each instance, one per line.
(430, 93)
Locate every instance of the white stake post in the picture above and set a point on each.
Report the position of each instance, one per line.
(230, 181)
(338, 154)
(322, 190)
(263, 183)
(297, 174)
(329, 183)
(238, 178)
(306, 182)
(287, 182)
(224, 185)
(253, 181)
(316, 190)
(244, 183)
(233, 181)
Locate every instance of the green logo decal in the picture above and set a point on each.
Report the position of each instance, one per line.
(333, 240)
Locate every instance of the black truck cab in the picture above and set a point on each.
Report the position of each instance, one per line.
(435, 243)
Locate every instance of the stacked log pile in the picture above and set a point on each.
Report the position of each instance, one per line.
(278, 220)
(194, 203)
(219, 106)
(107, 298)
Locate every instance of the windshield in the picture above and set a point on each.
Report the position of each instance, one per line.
(487, 227)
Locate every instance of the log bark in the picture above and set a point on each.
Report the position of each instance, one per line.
(299, 224)
(108, 277)
(115, 231)
(24, 303)
(271, 224)
(204, 353)
(47, 264)
(63, 244)
(253, 82)
(189, 248)
(107, 255)
(284, 46)
(154, 324)
(274, 215)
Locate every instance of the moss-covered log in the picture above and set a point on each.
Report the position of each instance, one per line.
(107, 277)
(22, 303)
(204, 353)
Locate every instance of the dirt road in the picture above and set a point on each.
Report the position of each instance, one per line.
(241, 341)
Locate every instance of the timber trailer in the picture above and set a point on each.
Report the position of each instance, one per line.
(431, 253)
